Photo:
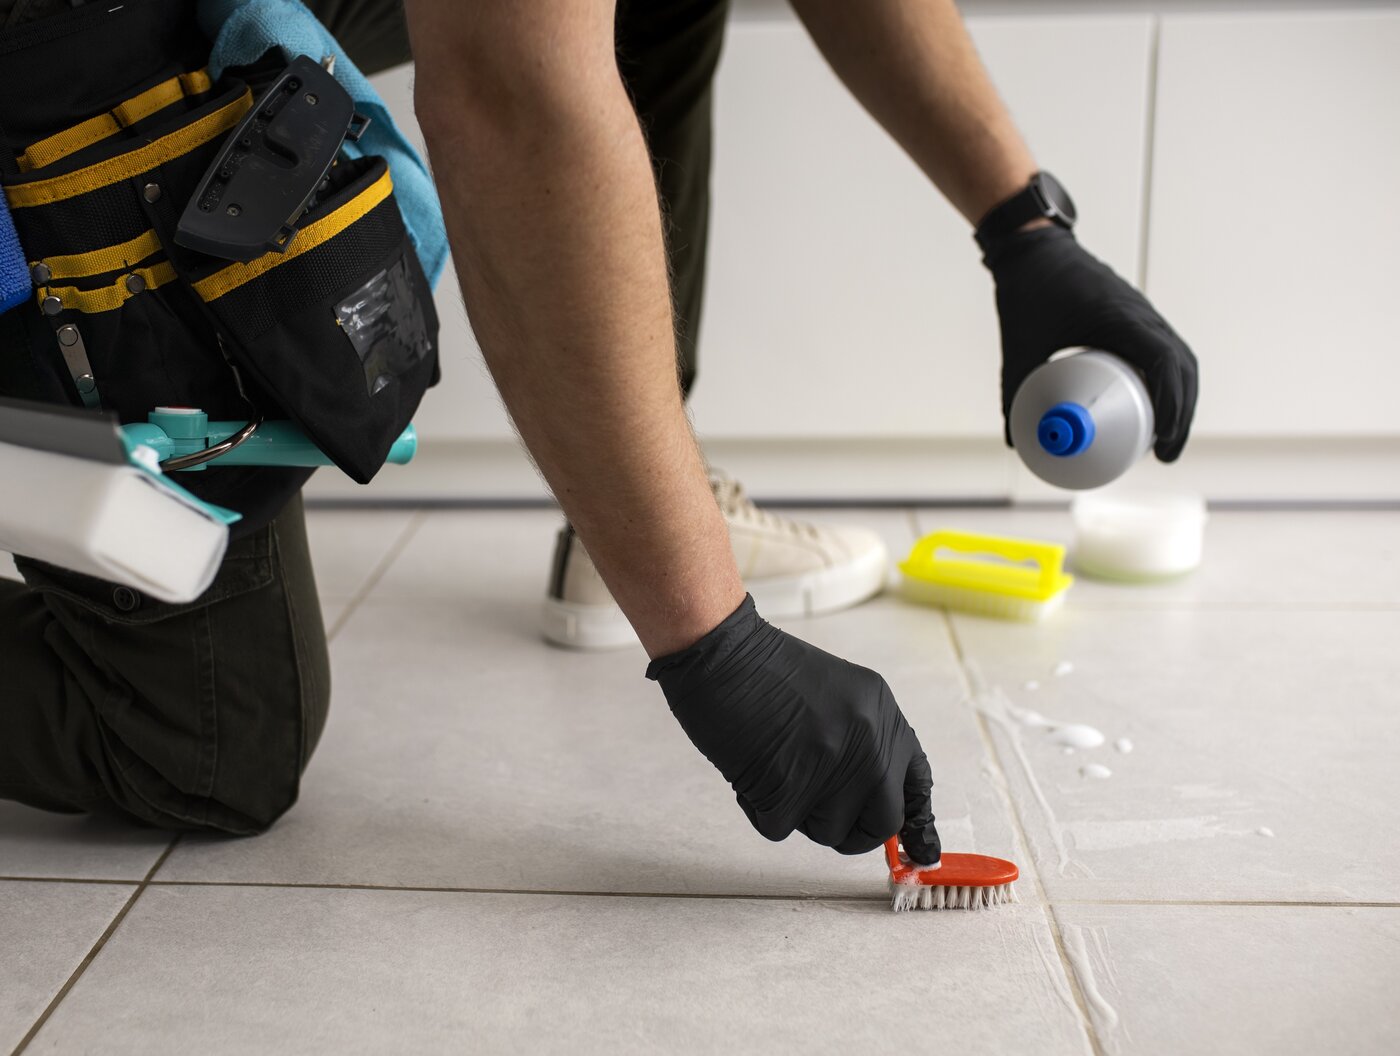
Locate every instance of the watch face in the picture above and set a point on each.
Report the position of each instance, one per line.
(1057, 202)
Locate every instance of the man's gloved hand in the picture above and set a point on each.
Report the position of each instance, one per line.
(1052, 294)
(807, 740)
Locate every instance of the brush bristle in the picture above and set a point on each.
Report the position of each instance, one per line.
(938, 896)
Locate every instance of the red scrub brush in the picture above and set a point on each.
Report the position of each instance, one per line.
(958, 881)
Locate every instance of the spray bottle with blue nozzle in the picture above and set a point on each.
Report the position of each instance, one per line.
(1082, 420)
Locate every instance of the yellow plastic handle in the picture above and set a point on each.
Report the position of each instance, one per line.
(924, 561)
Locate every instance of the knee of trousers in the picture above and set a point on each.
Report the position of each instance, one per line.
(264, 747)
(235, 769)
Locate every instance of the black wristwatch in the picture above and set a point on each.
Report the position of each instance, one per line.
(1044, 198)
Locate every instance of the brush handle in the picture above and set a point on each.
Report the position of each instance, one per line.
(892, 852)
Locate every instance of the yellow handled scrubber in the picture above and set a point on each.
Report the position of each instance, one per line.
(990, 575)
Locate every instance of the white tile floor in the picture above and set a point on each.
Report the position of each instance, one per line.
(503, 847)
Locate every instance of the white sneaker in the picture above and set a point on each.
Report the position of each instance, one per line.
(791, 568)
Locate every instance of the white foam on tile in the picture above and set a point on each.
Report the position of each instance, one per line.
(1064, 667)
(1096, 771)
(1014, 936)
(1264, 830)
(1076, 735)
(1087, 950)
(1067, 734)
(1026, 716)
(993, 704)
(1123, 745)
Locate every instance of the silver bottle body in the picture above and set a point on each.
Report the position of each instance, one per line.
(1113, 395)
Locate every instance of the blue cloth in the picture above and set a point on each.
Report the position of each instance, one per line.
(14, 270)
(243, 30)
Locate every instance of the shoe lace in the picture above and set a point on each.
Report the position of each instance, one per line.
(735, 504)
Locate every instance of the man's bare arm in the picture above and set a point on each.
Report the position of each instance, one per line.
(913, 66)
(556, 232)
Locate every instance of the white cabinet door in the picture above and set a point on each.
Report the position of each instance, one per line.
(1274, 241)
(846, 298)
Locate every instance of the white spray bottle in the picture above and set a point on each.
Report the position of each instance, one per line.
(1082, 420)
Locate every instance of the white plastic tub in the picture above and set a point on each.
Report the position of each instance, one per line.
(1137, 536)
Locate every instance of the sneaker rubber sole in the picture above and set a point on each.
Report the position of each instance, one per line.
(822, 590)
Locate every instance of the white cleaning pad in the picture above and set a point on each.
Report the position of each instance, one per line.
(109, 520)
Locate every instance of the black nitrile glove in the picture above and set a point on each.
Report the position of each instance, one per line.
(808, 741)
(1052, 294)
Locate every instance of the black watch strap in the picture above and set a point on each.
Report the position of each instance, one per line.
(1044, 198)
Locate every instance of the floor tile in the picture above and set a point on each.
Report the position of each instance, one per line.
(462, 752)
(332, 612)
(35, 843)
(347, 546)
(243, 970)
(465, 555)
(45, 932)
(1252, 559)
(1262, 762)
(1238, 979)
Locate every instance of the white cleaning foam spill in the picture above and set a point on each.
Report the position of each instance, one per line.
(1123, 745)
(1064, 667)
(1096, 770)
(1027, 717)
(1264, 830)
(1032, 685)
(1077, 735)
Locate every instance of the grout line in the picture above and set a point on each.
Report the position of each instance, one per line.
(881, 899)
(912, 513)
(1166, 902)
(378, 572)
(65, 880)
(1149, 148)
(92, 953)
(1033, 867)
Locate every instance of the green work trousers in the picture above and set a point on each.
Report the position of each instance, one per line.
(203, 716)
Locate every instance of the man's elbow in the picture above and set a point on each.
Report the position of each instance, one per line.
(490, 72)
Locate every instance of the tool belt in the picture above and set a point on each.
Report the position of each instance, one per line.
(337, 331)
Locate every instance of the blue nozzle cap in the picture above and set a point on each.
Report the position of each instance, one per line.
(1066, 429)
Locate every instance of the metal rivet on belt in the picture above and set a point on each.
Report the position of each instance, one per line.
(68, 335)
(40, 274)
(151, 192)
(51, 305)
(85, 384)
(135, 283)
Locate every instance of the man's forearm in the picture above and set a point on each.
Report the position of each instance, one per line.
(912, 64)
(556, 233)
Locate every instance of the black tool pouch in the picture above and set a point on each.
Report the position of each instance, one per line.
(337, 332)
(341, 326)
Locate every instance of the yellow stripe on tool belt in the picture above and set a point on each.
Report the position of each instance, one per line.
(308, 238)
(107, 298)
(124, 115)
(101, 261)
(132, 163)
